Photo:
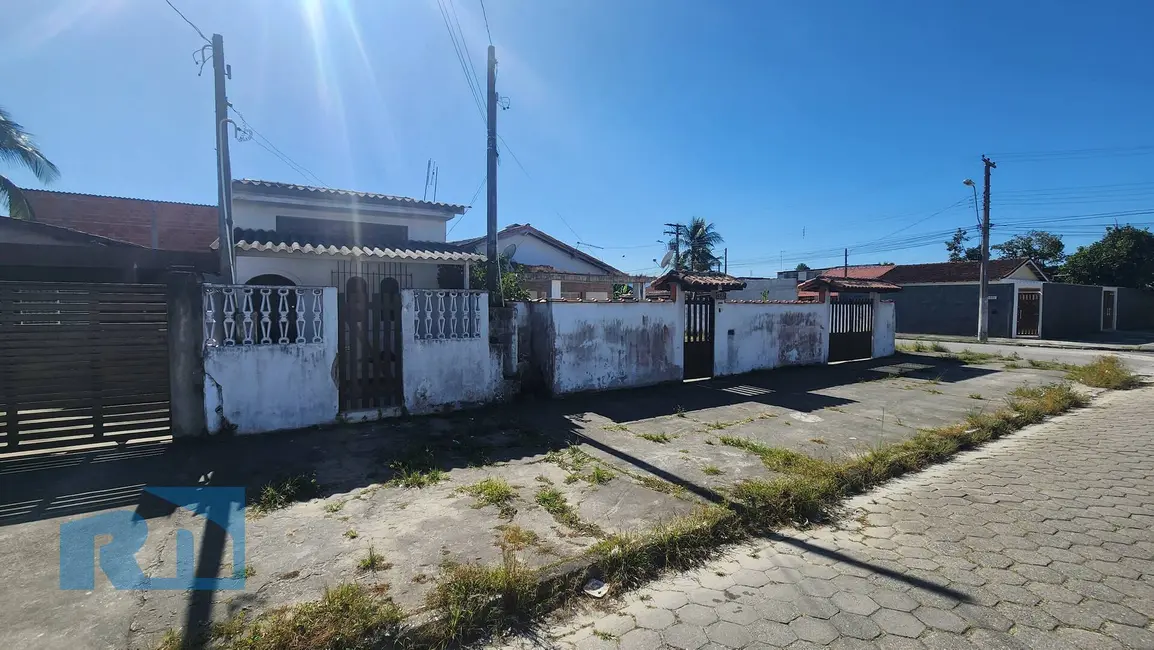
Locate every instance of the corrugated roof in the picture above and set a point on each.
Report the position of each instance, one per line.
(249, 239)
(862, 271)
(954, 271)
(699, 280)
(308, 190)
(847, 285)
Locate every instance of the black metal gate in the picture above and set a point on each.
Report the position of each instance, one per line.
(1029, 312)
(369, 344)
(699, 313)
(851, 330)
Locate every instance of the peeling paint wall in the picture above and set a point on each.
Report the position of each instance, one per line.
(604, 346)
(885, 328)
(259, 388)
(448, 373)
(750, 337)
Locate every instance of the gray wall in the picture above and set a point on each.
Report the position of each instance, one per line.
(1071, 311)
(1135, 309)
(776, 288)
(951, 309)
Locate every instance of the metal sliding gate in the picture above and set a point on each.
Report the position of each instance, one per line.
(699, 315)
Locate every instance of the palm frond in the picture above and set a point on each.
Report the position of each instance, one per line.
(14, 199)
(17, 146)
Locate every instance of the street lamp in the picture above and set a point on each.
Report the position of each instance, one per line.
(983, 267)
(974, 187)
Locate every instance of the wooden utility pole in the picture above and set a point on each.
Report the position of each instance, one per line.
(223, 164)
(493, 270)
(984, 282)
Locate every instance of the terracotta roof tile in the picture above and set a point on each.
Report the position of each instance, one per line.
(309, 190)
(951, 271)
(699, 280)
(847, 285)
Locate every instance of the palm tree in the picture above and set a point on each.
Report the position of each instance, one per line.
(17, 146)
(696, 241)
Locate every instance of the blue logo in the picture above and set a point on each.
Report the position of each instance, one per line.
(219, 506)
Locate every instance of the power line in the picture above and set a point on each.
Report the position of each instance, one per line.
(1080, 153)
(486, 16)
(475, 195)
(463, 60)
(275, 151)
(190, 23)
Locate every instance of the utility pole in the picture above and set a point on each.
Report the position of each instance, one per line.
(984, 285)
(223, 164)
(726, 254)
(845, 268)
(493, 269)
(676, 232)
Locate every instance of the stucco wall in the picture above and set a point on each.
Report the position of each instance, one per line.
(1135, 309)
(885, 328)
(248, 213)
(604, 346)
(775, 288)
(450, 373)
(1070, 311)
(261, 388)
(750, 337)
(952, 309)
(531, 250)
(317, 270)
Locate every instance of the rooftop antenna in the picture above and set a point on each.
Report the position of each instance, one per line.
(666, 260)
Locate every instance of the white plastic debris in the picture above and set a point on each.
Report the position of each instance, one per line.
(596, 588)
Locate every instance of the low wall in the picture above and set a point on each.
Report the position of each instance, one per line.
(885, 329)
(255, 383)
(604, 346)
(759, 336)
(1135, 309)
(952, 309)
(1070, 311)
(447, 364)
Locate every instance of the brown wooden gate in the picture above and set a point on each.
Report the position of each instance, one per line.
(699, 316)
(369, 344)
(851, 330)
(82, 364)
(1029, 312)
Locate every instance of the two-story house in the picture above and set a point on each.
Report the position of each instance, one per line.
(294, 234)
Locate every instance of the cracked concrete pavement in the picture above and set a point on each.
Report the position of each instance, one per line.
(1044, 539)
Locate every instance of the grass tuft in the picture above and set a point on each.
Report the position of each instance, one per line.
(516, 538)
(374, 561)
(284, 492)
(493, 491)
(656, 437)
(419, 470)
(615, 427)
(1050, 365)
(712, 470)
(351, 534)
(473, 600)
(775, 458)
(975, 396)
(1105, 372)
(818, 441)
(598, 476)
(555, 504)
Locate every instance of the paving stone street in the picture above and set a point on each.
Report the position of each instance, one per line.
(1041, 540)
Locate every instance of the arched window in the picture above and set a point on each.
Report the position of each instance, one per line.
(274, 280)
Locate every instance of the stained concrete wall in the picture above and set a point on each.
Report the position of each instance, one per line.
(1070, 311)
(952, 309)
(603, 346)
(885, 329)
(750, 337)
(1135, 309)
(439, 374)
(259, 388)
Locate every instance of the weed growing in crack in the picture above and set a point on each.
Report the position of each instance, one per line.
(493, 491)
(712, 470)
(655, 437)
(1105, 372)
(374, 561)
(284, 492)
(615, 427)
(555, 504)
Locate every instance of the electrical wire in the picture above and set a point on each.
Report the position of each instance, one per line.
(1074, 154)
(486, 16)
(475, 195)
(275, 151)
(464, 61)
(190, 23)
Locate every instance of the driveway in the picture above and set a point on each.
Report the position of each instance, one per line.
(1044, 539)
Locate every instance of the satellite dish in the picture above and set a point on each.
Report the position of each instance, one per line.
(665, 260)
(509, 250)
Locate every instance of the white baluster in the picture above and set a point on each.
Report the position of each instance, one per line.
(440, 314)
(265, 320)
(247, 324)
(452, 314)
(428, 314)
(477, 315)
(209, 317)
(282, 313)
(299, 295)
(318, 301)
(466, 320)
(229, 315)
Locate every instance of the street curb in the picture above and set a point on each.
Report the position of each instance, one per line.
(1103, 347)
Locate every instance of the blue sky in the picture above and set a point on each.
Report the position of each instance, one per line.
(797, 128)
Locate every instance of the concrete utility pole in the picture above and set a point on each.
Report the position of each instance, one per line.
(984, 285)
(845, 267)
(223, 164)
(676, 232)
(493, 270)
(726, 253)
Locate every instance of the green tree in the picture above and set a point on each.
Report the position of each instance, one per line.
(1045, 248)
(958, 250)
(802, 267)
(696, 241)
(17, 146)
(1124, 257)
(510, 284)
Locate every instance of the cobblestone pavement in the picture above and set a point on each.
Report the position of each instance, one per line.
(1042, 540)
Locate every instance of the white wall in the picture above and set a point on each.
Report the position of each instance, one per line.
(750, 337)
(306, 269)
(261, 388)
(776, 288)
(449, 372)
(604, 346)
(531, 250)
(885, 328)
(250, 212)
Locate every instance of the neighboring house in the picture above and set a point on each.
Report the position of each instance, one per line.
(550, 268)
(858, 272)
(31, 251)
(765, 289)
(285, 233)
(162, 225)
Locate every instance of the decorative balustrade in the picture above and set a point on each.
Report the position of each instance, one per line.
(447, 315)
(262, 315)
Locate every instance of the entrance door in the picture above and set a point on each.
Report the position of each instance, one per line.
(1108, 298)
(369, 345)
(851, 330)
(699, 313)
(1029, 312)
